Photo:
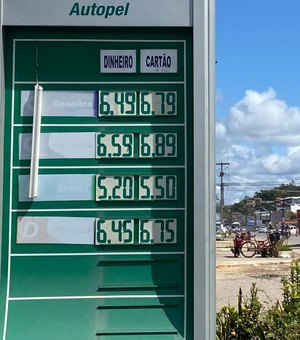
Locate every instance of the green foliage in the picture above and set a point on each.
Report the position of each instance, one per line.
(249, 312)
(241, 323)
(250, 322)
(282, 320)
(226, 323)
(284, 190)
(285, 247)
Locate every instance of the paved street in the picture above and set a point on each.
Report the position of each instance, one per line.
(233, 273)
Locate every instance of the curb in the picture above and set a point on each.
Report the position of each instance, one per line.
(257, 260)
(255, 263)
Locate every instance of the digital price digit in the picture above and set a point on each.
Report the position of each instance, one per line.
(156, 231)
(158, 145)
(158, 187)
(117, 103)
(114, 231)
(114, 188)
(147, 231)
(125, 103)
(114, 145)
(158, 103)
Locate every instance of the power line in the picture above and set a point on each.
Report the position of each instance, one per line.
(258, 184)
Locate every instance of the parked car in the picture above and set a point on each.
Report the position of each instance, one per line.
(292, 229)
(220, 236)
(263, 229)
(220, 233)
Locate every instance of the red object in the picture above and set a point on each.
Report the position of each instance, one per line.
(298, 216)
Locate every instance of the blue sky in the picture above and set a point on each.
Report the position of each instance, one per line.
(258, 93)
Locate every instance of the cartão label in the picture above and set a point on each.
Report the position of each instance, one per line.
(159, 61)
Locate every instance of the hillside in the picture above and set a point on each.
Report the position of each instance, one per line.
(263, 200)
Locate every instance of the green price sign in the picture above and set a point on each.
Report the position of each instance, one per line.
(135, 231)
(159, 187)
(114, 231)
(132, 103)
(137, 145)
(114, 188)
(114, 145)
(147, 188)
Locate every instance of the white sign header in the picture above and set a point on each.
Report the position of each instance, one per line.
(118, 61)
(159, 61)
(97, 13)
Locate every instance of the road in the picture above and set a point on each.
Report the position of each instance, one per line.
(233, 273)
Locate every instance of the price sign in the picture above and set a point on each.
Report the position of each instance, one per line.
(132, 103)
(148, 188)
(157, 231)
(114, 188)
(114, 231)
(158, 145)
(114, 145)
(136, 231)
(144, 145)
(112, 103)
(158, 187)
(158, 103)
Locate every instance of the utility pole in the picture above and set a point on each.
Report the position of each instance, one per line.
(222, 164)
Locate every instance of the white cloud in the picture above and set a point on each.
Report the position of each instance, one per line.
(261, 117)
(261, 141)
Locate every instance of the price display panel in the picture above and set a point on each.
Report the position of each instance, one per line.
(157, 231)
(114, 145)
(117, 103)
(113, 208)
(135, 231)
(158, 187)
(118, 231)
(133, 103)
(137, 145)
(115, 188)
(144, 187)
